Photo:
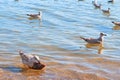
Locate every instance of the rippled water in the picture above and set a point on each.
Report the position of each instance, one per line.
(56, 39)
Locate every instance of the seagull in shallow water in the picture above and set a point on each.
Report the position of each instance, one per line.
(110, 1)
(116, 23)
(94, 41)
(106, 11)
(96, 5)
(36, 16)
(31, 61)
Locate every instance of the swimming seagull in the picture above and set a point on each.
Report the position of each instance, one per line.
(110, 1)
(116, 23)
(96, 5)
(36, 16)
(106, 11)
(31, 61)
(94, 41)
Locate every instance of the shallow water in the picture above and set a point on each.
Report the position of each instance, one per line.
(56, 39)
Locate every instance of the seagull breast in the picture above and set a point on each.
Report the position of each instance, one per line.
(32, 61)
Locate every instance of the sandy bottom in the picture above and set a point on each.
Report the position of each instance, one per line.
(67, 67)
(39, 75)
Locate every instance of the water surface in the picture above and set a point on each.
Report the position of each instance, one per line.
(56, 39)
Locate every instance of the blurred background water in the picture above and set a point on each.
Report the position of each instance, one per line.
(56, 39)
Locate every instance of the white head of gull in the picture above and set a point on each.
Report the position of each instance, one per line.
(31, 61)
(94, 41)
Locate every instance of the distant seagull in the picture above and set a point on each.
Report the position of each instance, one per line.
(80, 0)
(94, 41)
(36, 16)
(106, 11)
(110, 1)
(31, 61)
(96, 5)
(116, 23)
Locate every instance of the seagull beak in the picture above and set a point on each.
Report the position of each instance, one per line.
(105, 35)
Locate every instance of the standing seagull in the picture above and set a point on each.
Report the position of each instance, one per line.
(94, 41)
(31, 61)
(36, 16)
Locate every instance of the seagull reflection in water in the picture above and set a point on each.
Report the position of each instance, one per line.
(99, 47)
(116, 27)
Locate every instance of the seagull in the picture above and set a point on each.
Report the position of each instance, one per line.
(116, 23)
(96, 5)
(106, 11)
(31, 61)
(35, 16)
(110, 1)
(94, 41)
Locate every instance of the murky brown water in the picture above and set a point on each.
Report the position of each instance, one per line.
(56, 39)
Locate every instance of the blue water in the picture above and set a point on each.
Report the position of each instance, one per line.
(56, 39)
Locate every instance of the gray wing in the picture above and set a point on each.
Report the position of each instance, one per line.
(93, 41)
